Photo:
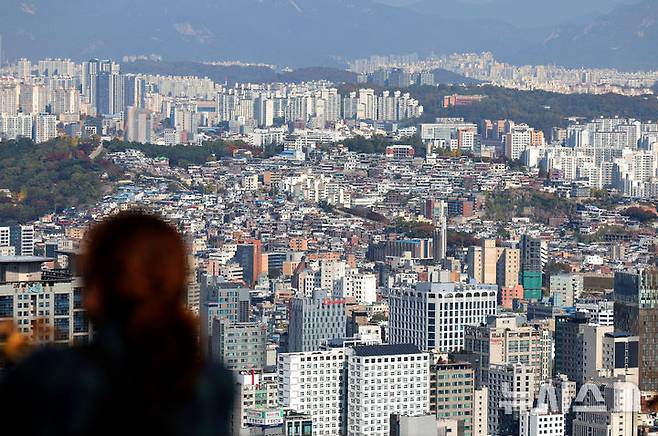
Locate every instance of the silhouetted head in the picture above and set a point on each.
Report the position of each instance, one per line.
(134, 269)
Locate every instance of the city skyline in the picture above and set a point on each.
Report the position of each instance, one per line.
(389, 217)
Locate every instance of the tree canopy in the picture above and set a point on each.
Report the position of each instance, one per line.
(47, 177)
(539, 109)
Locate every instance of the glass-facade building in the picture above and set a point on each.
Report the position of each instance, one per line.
(636, 312)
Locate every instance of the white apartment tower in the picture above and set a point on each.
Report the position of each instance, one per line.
(9, 95)
(541, 422)
(15, 126)
(382, 380)
(315, 383)
(45, 128)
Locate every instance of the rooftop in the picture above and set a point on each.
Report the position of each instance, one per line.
(24, 259)
(619, 335)
(386, 350)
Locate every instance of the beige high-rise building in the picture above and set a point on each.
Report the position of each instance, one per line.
(32, 99)
(508, 267)
(481, 411)
(501, 341)
(482, 262)
(493, 265)
(593, 335)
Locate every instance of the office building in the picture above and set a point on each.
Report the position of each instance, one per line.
(222, 301)
(250, 257)
(600, 312)
(621, 356)
(519, 139)
(47, 308)
(418, 249)
(511, 392)
(481, 411)
(437, 211)
(508, 296)
(109, 93)
(413, 425)
(239, 346)
(507, 267)
(636, 312)
(501, 340)
(493, 265)
(383, 380)
(453, 397)
(449, 133)
(593, 357)
(314, 321)
(579, 346)
(361, 286)
(297, 424)
(315, 383)
(609, 407)
(256, 391)
(565, 392)
(533, 259)
(134, 91)
(20, 237)
(434, 315)
(566, 288)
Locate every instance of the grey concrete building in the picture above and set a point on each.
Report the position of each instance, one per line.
(314, 321)
(240, 346)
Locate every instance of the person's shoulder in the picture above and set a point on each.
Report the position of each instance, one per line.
(42, 368)
(215, 376)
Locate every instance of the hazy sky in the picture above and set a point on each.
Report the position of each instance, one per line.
(522, 13)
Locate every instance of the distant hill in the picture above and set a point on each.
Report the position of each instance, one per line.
(445, 77)
(218, 73)
(319, 73)
(540, 109)
(239, 74)
(42, 177)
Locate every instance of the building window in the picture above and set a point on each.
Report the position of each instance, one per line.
(6, 306)
(61, 304)
(61, 326)
(80, 322)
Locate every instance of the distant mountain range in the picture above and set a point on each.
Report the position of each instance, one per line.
(626, 39)
(262, 74)
(239, 74)
(322, 32)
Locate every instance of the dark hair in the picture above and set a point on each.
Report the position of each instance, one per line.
(135, 272)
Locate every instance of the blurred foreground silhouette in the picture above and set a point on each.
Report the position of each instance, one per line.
(143, 372)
